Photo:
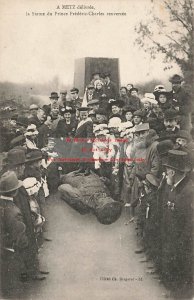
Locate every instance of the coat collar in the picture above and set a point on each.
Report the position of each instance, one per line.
(6, 198)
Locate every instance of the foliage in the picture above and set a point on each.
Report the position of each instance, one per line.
(169, 30)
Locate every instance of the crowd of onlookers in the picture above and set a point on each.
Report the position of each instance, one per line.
(143, 149)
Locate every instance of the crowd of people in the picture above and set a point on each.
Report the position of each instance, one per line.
(142, 149)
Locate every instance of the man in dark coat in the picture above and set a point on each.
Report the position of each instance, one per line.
(109, 87)
(123, 95)
(39, 119)
(181, 101)
(16, 162)
(171, 125)
(134, 100)
(177, 221)
(54, 99)
(14, 240)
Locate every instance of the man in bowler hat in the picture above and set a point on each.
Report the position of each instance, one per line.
(16, 162)
(176, 222)
(13, 236)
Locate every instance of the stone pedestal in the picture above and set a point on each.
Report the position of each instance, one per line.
(85, 67)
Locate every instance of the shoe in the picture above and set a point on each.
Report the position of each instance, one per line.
(143, 260)
(151, 272)
(48, 239)
(44, 272)
(139, 251)
(132, 220)
(79, 171)
(87, 173)
(24, 277)
(38, 277)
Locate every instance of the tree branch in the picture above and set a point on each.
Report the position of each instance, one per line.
(168, 36)
(176, 16)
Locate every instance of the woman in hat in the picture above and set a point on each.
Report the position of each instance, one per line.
(128, 113)
(67, 126)
(164, 99)
(99, 90)
(31, 137)
(115, 107)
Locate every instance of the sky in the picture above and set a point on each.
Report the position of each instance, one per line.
(37, 48)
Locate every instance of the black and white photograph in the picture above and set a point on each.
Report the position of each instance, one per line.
(96, 149)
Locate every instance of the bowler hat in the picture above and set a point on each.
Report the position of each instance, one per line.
(74, 91)
(93, 102)
(176, 79)
(16, 157)
(90, 86)
(101, 111)
(142, 127)
(152, 179)
(9, 182)
(170, 114)
(18, 141)
(113, 102)
(106, 74)
(133, 89)
(138, 113)
(22, 121)
(177, 160)
(54, 95)
(183, 134)
(164, 146)
(34, 155)
(83, 108)
(128, 108)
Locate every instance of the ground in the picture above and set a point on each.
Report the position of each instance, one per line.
(88, 260)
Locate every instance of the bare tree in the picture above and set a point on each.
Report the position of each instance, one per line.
(169, 30)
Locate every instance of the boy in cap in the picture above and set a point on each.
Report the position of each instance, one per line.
(75, 101)
(90, 92)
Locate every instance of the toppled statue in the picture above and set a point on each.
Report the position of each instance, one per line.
(89, 194)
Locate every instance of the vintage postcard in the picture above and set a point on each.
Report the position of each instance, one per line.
(96, 149)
